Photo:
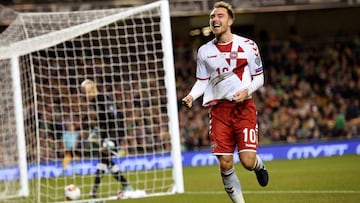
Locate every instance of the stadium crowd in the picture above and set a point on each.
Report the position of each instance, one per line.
(311, 91)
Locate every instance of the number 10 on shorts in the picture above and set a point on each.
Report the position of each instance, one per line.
(250, 135)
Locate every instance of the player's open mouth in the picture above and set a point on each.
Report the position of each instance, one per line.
(216, 25)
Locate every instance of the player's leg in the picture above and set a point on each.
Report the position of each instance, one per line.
(223, 146)
(252, 162)
(100, 170)
(259, 167)
(104, 161)
(115, 171)
(246, 131)
(229, 178)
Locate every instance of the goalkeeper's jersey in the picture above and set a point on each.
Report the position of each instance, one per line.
(228, 68)
(109, 119)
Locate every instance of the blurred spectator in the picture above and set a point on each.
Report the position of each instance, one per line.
(70, 143)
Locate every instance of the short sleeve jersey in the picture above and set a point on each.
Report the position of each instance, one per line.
(228, 67)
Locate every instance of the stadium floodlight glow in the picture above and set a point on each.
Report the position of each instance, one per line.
(44, 58)
(206, 31)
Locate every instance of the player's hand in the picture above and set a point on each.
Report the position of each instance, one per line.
(240, 96)
(187, 101)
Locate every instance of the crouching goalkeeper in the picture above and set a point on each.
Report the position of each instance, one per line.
(111, 129)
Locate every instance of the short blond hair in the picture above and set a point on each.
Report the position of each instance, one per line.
(89, 88)
(227, 6)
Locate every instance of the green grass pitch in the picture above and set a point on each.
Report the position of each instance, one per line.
(315, 180)
(320, 180)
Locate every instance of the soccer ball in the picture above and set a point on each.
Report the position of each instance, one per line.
(72, 192)
(108, 144)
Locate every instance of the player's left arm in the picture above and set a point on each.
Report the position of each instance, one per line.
(256, 83)
(255, 67)
(256, 71)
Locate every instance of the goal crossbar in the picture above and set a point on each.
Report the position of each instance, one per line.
(50, 39)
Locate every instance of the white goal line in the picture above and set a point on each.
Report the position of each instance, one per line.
(279, 192)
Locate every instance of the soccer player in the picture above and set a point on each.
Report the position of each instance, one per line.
(109, 122)
(229, 70)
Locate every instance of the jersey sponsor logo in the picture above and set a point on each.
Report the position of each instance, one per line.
(213, 56)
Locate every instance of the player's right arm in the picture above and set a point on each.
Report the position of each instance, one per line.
(197, 90)
(202, 80)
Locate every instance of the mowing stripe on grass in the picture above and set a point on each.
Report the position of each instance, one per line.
(283, 192)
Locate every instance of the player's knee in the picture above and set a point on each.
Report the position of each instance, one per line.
(248, 165)
(226, 162)
(114, 169)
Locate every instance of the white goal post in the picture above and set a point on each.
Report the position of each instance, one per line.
(44, 58)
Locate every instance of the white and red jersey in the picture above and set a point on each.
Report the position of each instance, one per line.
(228, 68)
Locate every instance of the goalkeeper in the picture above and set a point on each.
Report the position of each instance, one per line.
(109, 129)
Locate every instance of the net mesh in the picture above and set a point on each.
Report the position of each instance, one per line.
(125, 59)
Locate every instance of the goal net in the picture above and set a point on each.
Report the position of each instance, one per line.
(46, 120)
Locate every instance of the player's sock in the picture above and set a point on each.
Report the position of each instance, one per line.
(259, 164)
(232, 185)
(261, 173)
(98, 176)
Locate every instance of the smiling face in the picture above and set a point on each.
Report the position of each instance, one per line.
(220, 22)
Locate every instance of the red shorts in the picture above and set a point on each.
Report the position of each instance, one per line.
(233, 125)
